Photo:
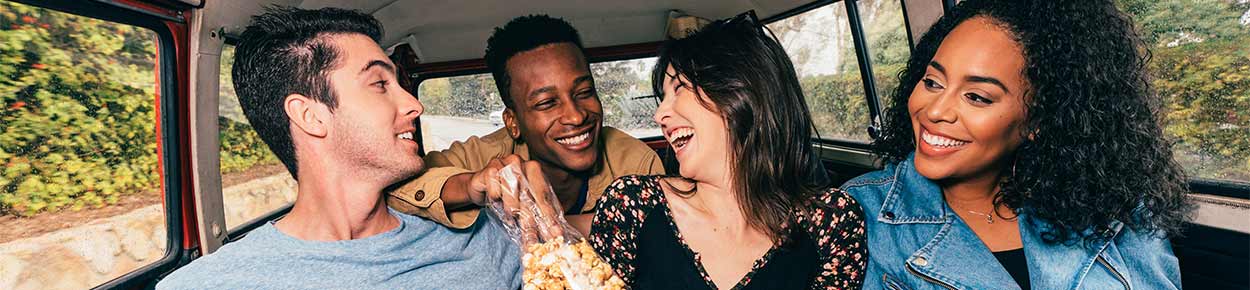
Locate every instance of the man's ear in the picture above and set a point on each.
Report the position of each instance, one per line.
(310, 116)
(509, 122)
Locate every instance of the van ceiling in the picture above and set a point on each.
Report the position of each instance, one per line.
(457, 30)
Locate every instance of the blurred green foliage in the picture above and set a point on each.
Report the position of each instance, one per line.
(77, 112)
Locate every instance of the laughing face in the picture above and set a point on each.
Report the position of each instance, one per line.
(372, 128)
(698, 135)
(555, 109)
(968, 109)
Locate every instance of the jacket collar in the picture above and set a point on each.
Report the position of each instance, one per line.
(912, 198)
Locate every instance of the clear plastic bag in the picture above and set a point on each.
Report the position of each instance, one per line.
(556, 255)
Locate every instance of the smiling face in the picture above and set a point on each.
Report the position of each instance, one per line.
(555, 109)
(967, 110)
(372, 128)
(698, 135)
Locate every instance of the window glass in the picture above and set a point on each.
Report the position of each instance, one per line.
(625, 90)
(463, 106)
(1201, 68)
(820, 46)
(253, 181)
(886, 35)
(80, 187)
(457, 108)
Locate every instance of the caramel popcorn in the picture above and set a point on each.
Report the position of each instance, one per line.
(556, 265)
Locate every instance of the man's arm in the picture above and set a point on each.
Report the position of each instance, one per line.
(440, 193)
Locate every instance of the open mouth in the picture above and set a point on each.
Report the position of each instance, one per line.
(680, 137)
(940, 142)
(577, 142)
(405, 136)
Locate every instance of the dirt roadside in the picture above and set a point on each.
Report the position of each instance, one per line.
(13, 227)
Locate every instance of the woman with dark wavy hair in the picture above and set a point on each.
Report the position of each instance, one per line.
(1024, 150)
(749, 209)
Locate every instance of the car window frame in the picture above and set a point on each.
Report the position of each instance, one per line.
(170, 123)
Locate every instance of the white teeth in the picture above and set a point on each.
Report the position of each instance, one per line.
(940, 141)
(680, 133)
(405, 135)
(575, 139)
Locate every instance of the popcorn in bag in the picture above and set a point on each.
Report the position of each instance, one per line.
(556, 255)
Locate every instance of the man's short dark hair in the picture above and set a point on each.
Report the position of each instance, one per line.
(519, 35)
(287, 51)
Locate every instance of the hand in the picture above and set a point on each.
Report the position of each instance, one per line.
(527, 201)
(479, 183)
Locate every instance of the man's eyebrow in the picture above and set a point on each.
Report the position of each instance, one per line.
(385, 65)
(542, 90)
(582, 79)
(978, 79)
(549, 89)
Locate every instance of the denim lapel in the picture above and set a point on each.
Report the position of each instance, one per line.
(1057, 266)
(912, 198)
(954, 256)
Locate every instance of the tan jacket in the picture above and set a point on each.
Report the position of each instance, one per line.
(622, 155)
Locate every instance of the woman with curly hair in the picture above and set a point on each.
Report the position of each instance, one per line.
(1024, 151)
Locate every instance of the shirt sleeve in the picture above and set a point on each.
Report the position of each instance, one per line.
(614, 231)
(835, 222)
(422, 196)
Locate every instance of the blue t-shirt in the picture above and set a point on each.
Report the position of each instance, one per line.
(419, 254)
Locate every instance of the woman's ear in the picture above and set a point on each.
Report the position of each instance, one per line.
(309, 116)
(509, 121)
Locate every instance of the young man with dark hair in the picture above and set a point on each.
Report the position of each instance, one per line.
(324, 97)
(552, 115)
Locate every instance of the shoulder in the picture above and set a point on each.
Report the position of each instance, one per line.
(627, 202)
(625, 147)
(834, 209)
(633, 191)
(870, 188)
(232, 264)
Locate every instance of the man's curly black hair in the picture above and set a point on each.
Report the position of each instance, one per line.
(523, 34)
(1095, 156)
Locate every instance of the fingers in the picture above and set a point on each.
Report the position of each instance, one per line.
(548, 207)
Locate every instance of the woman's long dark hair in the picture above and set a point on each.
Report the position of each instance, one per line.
(1096, 155)
(750, 82)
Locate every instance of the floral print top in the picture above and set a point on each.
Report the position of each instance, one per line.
(634, 232)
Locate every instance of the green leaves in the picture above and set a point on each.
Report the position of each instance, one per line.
(77, 115)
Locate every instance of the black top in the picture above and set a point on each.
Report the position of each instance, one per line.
(1014, 262)
(634, 232)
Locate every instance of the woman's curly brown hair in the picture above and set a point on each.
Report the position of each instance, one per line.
(1096, 155)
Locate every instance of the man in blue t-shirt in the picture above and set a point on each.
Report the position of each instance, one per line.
(321, 93)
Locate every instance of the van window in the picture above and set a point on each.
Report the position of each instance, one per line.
(1201, 68)
(820, 46)
(80, 187)
(253, 182)
(462, 106)
(888, 48)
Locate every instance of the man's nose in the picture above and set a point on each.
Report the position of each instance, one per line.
(572, 114)
(410, 105)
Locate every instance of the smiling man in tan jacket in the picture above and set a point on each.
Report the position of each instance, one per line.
(552, 115)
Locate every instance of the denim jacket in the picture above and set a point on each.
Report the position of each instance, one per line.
(915, 241)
